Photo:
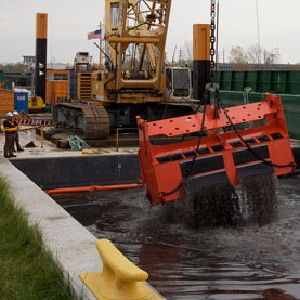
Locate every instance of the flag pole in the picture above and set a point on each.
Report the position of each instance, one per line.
(101, 58)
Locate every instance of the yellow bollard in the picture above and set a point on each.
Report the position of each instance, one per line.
(120, 279)
(86, 151)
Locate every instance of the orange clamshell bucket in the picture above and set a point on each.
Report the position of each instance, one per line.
(221, 155)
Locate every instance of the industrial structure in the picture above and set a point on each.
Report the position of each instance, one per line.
(208, 139)
(133, 80)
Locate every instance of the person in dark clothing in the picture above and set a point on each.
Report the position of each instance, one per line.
(18, 146)
(10, 130)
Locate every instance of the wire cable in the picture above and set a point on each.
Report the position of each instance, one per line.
(258, 32)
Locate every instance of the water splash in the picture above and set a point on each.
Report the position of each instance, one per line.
(260, 198)
(215, 205)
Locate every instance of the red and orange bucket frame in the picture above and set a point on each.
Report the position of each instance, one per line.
(221, 154)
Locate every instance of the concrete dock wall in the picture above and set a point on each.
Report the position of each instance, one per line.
(59, 172)
(72, 245)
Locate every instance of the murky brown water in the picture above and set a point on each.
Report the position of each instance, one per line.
(223, 263)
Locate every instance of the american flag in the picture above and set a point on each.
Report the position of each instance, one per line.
(94, 35)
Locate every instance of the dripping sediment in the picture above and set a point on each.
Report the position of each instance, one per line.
(221, 205)
(215, 205)
(259, 198)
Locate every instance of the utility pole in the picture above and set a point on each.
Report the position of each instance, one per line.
(258, 32)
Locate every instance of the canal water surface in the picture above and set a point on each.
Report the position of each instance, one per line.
(246, 262)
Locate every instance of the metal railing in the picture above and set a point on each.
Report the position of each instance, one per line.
(35, 121)
(125, 130)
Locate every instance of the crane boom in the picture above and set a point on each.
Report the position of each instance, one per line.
(136, 33)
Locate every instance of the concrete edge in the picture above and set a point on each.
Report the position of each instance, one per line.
(71, 244)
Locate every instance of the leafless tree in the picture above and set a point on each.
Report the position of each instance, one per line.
(188, 51)
(253, 54)
(13, 67)
(184, 57)
(271, 57)
(238, 55)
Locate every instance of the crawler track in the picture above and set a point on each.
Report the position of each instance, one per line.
(90, 119)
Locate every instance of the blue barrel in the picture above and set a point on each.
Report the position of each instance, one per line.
(21, 102)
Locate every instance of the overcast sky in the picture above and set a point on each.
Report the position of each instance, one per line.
(71, 20)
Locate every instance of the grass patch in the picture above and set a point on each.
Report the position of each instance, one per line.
(27, 270)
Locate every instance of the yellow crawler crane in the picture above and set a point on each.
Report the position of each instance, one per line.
(137, 42)
(132, 80)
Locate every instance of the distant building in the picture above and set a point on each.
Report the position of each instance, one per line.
(58, 66)
(29, 61)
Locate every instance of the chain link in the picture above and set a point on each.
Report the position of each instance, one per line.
(250, 149)
(210, 88)
(213, 7)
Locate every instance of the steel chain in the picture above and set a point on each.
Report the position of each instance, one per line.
(212, 40)
(206, 94)
(250, 149)
(213, 87)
